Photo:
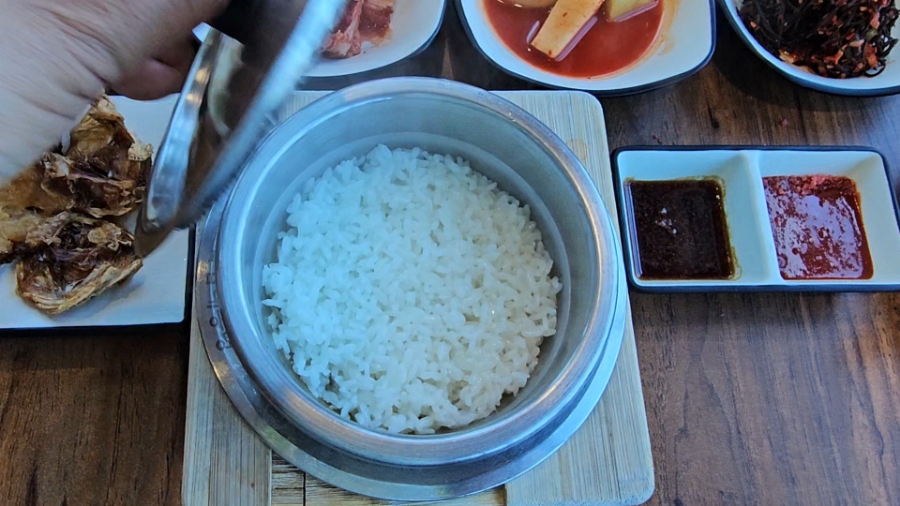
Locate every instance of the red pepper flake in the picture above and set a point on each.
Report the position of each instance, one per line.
(836, 57)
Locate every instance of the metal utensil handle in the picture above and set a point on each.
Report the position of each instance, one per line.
(226, 106)
(173, 157)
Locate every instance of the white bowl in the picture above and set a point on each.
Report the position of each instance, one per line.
(414, 25)
(741, 171)
(886, 83)
(685, 46)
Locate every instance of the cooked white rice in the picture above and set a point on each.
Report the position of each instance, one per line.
(410, 293)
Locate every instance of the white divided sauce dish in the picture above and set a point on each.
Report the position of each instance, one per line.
(740, 172)
(888, 82)
(684, 46)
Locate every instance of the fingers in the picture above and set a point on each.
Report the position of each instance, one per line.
(157, 77)
(151, 80)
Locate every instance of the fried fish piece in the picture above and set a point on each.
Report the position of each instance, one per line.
(83, 188)
(25, 192)
(104, 171)
(53, 215)
(14, 226)
(102, 138)
(68, 259)
(23, 205)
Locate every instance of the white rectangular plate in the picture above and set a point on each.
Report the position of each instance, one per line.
(741, 170)
(685, 46)
(156, 294)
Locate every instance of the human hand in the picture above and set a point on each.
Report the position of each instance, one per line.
(57, 56)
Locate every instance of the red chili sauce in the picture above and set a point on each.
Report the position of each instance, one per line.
(608, 46)
(818, 227)
(679, 229)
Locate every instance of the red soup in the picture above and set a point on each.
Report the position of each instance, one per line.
(607, 47)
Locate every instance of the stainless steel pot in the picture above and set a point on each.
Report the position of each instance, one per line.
(527, 160)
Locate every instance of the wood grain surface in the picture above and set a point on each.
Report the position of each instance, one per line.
(751, 399)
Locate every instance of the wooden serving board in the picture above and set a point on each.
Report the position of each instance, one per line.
(607, 462)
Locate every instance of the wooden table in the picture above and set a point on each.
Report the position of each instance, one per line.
(752, 399)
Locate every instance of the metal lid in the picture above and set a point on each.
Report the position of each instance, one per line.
(233, 88)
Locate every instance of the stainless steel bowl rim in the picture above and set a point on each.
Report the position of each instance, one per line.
(280, 384)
